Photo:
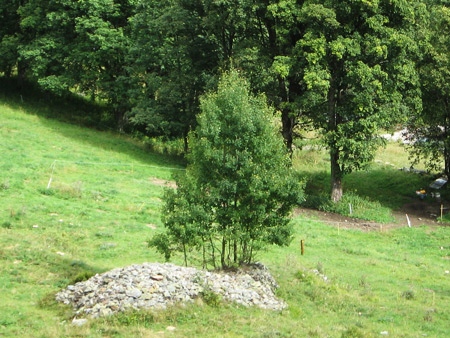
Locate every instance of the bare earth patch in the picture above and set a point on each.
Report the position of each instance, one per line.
(163, 183)
(419, 213)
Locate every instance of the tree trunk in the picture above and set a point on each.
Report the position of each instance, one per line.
(120, 119)
(333, 122)
(223, 253)
(185, 143)
(287, 129)
(446, 149)
(446, 161)
(336, 176)
(21, 74)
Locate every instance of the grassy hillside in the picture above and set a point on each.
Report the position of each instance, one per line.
(74, 202)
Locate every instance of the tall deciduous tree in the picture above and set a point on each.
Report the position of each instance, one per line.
(429, 130)
(171, 59)
(181, 47)
(282, 31)
(99, 48)
(9, 36)
(238, 190)
(359, 69)
(76, 45)
(44, 37)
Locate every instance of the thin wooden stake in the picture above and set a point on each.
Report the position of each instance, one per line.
(409, 222)
(302, 247)
(51, 175)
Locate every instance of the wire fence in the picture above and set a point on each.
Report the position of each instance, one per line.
(66, 170)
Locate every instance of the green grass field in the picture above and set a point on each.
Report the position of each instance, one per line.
(75, 202)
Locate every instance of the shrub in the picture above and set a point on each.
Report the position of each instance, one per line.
(239, 188)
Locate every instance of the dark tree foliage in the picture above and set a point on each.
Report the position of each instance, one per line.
(73, 46)
(429, 129)
(171, 60)
(9, 36)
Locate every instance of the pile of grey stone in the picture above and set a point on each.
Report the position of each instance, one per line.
(156, 286)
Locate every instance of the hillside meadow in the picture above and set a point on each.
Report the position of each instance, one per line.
(75, 202)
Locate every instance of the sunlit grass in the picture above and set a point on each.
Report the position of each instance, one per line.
(75, 202)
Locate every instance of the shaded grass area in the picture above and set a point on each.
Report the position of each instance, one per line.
(70, 108)
(75, 202)
(371, 194)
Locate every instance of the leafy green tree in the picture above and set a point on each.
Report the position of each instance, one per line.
(238, 191)
(46, 28)
(9, 36)
(429, 130)
(99, 48)
(258, 37)
(77, 45)
(181, 46)
(359, 60)
(281, 31)
(171, 59)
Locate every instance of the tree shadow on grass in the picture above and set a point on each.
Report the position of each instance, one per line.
(391, 188)
(69, 272)
(77, 111)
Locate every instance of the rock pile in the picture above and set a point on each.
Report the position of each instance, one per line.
(156, 286)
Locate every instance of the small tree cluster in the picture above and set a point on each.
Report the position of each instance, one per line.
(238, 191)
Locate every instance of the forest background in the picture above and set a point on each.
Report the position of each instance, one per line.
(345, 69)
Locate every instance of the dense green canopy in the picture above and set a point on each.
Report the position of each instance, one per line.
(429, 130)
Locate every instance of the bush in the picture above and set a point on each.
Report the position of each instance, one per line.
(239, 188)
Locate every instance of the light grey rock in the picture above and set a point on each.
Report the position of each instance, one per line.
(79, 322)
(135, 293)
(156, 286)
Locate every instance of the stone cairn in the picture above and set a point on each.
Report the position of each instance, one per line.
(156, 286)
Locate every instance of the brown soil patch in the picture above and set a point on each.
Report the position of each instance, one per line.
(419, 213)
(164, 183)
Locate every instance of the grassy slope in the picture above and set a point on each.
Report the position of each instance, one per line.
(101, 203)
(101, 207)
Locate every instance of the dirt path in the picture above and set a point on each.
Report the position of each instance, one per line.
(419, 213)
